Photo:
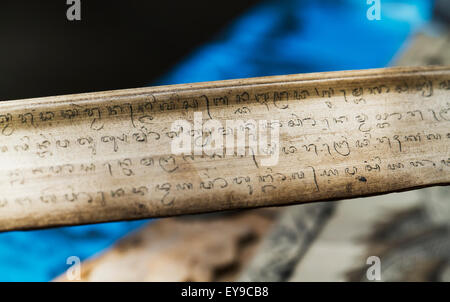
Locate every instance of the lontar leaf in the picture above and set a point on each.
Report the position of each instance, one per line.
(115, 155)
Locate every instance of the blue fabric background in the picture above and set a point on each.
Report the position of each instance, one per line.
(274, 37)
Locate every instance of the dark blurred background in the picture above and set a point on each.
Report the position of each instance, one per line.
(116, 44)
